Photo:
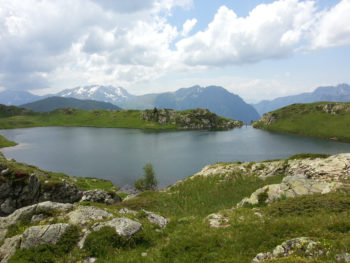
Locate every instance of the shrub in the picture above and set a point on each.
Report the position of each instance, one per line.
(149, 182)
(98, 243)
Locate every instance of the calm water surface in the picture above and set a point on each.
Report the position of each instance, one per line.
(120, 154)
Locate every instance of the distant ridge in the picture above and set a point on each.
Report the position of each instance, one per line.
(53, 103)
(17, 97)
(339, 93)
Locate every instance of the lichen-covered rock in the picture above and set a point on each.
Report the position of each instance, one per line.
(3, 233)
(217, 220)
(40, 235)
(32, 209)
(342, 257)
(123, 226)
(8, 249)
(124, 211)
(157, 219)
(100, 196)
(84, 214)
(291, 186)
(289, 247)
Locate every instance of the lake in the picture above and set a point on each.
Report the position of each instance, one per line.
(120, 154)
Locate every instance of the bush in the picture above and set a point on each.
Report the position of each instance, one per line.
(100, 242)
(149, 182)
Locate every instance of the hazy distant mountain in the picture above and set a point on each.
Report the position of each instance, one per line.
(52, 103)
(100, 93)
(340, 93)
(17, 97)
(216, 99)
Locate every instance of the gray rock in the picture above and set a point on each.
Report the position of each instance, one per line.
(3, 233)
(8, 249)
(6, 172)
(37, 218)
(24, 211)
(81, 242)
(84, 214)
(100, 196)
(217, 220)
(40, 235)
(124, 211)
(157, 219)
(123, 226)
(89, 260)
(342, 257)
(289, 247)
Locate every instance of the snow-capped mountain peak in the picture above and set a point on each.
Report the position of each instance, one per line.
(115, 95)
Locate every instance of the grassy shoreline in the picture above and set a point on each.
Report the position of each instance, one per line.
(6, 143)
(322, 120)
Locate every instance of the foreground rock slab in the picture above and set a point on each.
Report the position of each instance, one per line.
(84, 214)
(123, 226)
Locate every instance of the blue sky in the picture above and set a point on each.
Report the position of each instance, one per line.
(256, 49)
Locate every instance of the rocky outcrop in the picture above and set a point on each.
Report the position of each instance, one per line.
(197, 119)
(18, 189)
(39, 235)
(301, 244)
(123, 226)
(84, 214)
(8, 249)
(218, 220)
(101, 196)
(335, 108)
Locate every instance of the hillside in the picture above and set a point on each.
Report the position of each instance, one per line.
(53, 103)
(322, 119)
(164, 119)
(214, 98)
(293, 210)
(340, 93)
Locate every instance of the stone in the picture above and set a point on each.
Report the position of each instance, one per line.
(342, 257)
(89, 260)
(217, 220)
(157, 219)
(144, 254)
(124, 211)
(100, 196)
(81, 242)
(84, 214)
(123, 226)
(3, 233)
(40, 235)
(37, 218)
(8, 249)
(37, 208)
(289, 247)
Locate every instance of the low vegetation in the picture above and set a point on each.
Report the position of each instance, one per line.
(149, 182)
(323, 119)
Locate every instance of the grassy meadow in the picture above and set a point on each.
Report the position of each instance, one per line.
(310, 120)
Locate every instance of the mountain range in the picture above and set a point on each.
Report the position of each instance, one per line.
(53, 103)
(339, 93)
(213, 98)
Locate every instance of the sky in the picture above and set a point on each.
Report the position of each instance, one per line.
(256, 49)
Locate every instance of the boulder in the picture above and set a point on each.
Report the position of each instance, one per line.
(40, 235)
(100, 196)
(123, 226)
(157, 219)
(217, 220)
(32, 209)
(8, 249)
(84, 214)
(289, 247)
(124, 211)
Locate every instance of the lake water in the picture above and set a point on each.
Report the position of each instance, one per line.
(120, 154)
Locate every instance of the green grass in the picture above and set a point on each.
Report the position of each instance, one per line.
(80, 118)
(311, 120)
(6, 143)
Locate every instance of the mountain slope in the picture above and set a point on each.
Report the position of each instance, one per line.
(216, 99)
(17, 97)
(53, 103)
(327, 120)
(340, 93)
(100, 93)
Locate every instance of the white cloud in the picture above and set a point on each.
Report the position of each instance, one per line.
(333, 27)
(188, 26)
(270, 31)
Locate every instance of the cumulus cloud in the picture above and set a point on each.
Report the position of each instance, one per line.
(333, 27)
(61, 43)
(270, 31)
(188, 26)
